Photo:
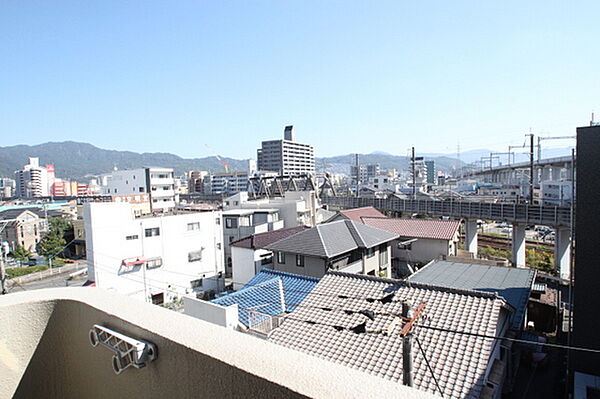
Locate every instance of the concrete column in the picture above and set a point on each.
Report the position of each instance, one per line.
(518, 245)
(471, 236)
(562, 252)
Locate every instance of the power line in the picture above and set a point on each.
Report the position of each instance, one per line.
(429, 367)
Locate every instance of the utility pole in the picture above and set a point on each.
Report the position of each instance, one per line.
(2, 274)
(414, 177)
(357, 173)
(531, 178)
(407, 358)
(3, 225)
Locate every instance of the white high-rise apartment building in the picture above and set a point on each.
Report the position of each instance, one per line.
(153, 257)
(286, 157)
(32, 180)
(158, 182)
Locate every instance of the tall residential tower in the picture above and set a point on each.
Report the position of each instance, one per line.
(286, 157)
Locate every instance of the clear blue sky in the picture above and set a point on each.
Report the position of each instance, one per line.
(352, 76)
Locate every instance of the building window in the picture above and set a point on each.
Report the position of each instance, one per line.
(158, 299)
(193, 226)
(218, 245)
(281, 257)
(153, 263)
(231, 238)
(141, 189)
(300, 260)
(229, 262)
(217, 220)
(231, 223)
(132, 237)
(195, 256)
(267, 260)
(370, 252)
(196, 283)
(152, 232)
(383, 255)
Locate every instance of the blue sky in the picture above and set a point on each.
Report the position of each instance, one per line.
(195, 78)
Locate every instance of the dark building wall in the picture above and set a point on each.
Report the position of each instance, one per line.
(586, 321)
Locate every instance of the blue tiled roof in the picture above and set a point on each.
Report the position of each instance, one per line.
(513, 284)
(262, 293)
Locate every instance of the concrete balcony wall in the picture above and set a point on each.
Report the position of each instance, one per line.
(45, 352)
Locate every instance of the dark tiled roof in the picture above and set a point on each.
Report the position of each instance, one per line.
(513, 284)
(263, 293)
(417, 228)
(15, 213)
(321, 327)
(261, 240)
(332, 239)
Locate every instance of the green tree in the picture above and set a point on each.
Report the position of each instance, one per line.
(51, 244)
(60, 225)
(20, 253)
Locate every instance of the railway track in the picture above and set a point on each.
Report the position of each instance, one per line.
(505, 243)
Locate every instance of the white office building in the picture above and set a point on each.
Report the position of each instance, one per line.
(286, 157)
(33, 180)
(158, 182)
(153, 258)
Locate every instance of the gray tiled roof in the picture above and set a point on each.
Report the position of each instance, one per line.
(321, 326)
(513, 284)
(332, 239)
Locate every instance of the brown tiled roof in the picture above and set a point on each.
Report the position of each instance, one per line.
(416, 228)
(322, 326)
(261, 240)
(357, 214)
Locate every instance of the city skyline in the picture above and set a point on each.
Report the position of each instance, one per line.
(349, 77)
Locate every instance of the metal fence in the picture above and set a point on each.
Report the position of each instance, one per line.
(516, 213)
(262, 323)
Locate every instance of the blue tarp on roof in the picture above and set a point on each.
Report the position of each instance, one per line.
(263, 293)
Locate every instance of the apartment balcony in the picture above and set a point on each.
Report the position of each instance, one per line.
(156, 181)
(46, 351)
(162, 193)
(276, 225)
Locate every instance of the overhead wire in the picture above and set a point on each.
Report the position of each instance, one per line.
(353, 311)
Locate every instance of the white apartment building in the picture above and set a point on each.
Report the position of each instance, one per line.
(158, 182)
(296, 208)
(286, 157)
(241, 223)
(556, 193)
(153, 258)
(33, 180)
(227, 183)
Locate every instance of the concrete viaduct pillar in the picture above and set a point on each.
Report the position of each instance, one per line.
(518, 245)
(562, 252)
(471, 236)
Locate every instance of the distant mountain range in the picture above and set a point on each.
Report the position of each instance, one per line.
(80, 161)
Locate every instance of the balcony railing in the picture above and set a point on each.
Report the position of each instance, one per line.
(46, 352)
